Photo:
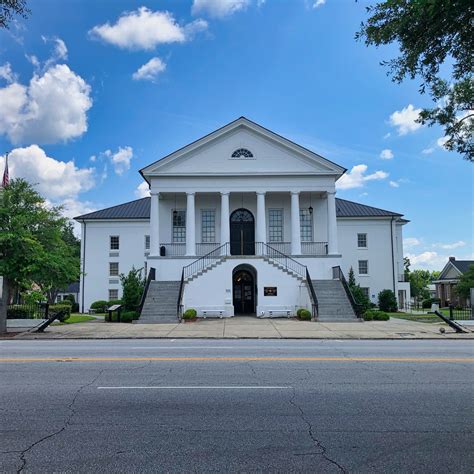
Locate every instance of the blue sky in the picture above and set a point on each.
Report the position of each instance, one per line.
(92, 91)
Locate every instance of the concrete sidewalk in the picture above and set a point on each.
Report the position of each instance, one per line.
(251, 328)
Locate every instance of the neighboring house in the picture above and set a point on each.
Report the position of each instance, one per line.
(448, 279)
(239, 216)
(72, 289)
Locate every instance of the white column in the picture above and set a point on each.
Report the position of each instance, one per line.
(332, 223)
(295, 224)
(155, 224)
(225, 223)
(190, 225)
(261, 219)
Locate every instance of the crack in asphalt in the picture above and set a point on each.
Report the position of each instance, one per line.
(316, 442)
(70, 407)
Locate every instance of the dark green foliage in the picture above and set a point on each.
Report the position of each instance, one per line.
(426, 304)
(100, 306)
(351, 281)
(437, 45)
(9, 8)
(56, 308)
(373, 315)
(18, 311)
(113, 302)
(387, 301)
(466, 282)
(304, 315)
(298, 311)
(360, 298)
(74, 305)
(128, 316)
(133, 286)
(190, 313)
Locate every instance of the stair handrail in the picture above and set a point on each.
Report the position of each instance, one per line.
(290, 263)
(312, 294)
(202, 262)
(151, 277)
(337, 273)
(179, 308)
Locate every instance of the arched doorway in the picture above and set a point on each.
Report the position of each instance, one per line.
(244, 290)
(242, 233)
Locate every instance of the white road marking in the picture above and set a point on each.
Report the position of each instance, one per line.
(196, 387)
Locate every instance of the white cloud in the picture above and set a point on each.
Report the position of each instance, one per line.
(394, 184)
(145, 29)
(357, 177)
(150, 70)
(143, 190)
(52, 108)
(59, 52)
(427, 260)
(428, 151)
(442, 141)
(386, 154)
(54, 179)
(7, 73)
(405, 120)
(120, 159)
(219, 8)
(387, 135)
(454, 245)
(411, 242)
(319, 3)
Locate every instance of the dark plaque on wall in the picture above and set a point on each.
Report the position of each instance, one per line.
(269, 291)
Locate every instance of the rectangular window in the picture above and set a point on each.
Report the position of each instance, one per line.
(362, 240)
(208, 225)
(275, 225)
(363, 267)
(179, 225)
(365, 291)
(306, 225)
(113, 269)
(113, 295)
(114, 242)
(147, 242)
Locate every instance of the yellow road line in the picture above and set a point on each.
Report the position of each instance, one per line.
(237, 359)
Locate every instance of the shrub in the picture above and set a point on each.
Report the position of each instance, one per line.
(74, 305)
(18, 311)
(33, 297)
(190, 313)
(426, 304)
(99, 306)
(112, 302)
(133, 286)
(298, 312)
(304, 315)
(387, 301)
(360, 298)
(128, 316)
(373, 315)
(56, 308)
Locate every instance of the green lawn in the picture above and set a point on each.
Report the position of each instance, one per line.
(421, 318)
(77, 318)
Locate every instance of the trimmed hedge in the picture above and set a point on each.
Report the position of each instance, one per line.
(100, 306)
(374, 315)
(112, 302)
(190, 313)
(304, 314)
(426, 304)
(56, 308)
(18, 311)
(128, 316)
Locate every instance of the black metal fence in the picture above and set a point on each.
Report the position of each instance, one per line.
(454, 313)
(28, 311)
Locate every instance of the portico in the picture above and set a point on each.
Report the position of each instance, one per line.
(273, 218)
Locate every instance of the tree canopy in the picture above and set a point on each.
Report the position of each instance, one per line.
(9, 8)
(37, 244)
(466, 282)
(437, 45)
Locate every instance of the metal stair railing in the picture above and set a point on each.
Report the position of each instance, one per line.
(265, 250)
(338, 274)
(151, 277)
(312, 294)
(179, 308)
(206, 260)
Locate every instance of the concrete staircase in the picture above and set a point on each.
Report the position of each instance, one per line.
(161, 303)
(207, 268)
(282, 268)
(334, 305)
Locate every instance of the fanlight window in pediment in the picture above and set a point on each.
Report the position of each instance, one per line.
(242, 153)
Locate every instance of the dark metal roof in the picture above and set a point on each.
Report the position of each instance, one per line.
(140, 209)
(71, 288)
(354, 209)
(462, 265)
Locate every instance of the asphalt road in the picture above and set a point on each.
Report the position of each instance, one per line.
(245, 405)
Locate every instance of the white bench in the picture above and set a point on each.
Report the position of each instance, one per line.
(279, 312)
(211, 312)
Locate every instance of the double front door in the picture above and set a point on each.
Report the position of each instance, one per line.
(242, 233)
(244, 293)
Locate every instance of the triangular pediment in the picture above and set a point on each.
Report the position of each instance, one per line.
(242, 147)
(449, 272)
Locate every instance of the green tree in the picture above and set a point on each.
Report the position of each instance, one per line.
(387, 301)
(466, 282)
(8, 8)
(419, 281)
(406, 268)
(133, 286)
(351, 281)
(436, 45)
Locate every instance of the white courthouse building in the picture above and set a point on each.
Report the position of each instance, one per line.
(243, 222)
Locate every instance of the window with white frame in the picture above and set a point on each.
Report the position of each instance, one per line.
(275, 225)
(179, 225)
(306, 225)
(113, 295)
(147, 242)
(363, 267)
(114, 242)
(113, 269)
(362, 241)
(365, 291)
(208, 225)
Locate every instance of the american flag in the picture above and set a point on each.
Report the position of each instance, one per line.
(6, 177)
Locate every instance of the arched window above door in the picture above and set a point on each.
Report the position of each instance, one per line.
(242, 153)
